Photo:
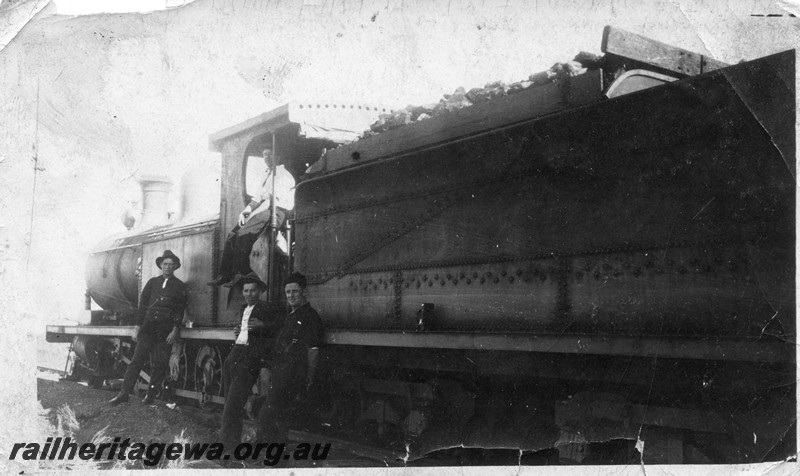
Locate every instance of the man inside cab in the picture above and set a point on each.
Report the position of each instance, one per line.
(255, 218)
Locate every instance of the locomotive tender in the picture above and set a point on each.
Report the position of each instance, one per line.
(570, 271)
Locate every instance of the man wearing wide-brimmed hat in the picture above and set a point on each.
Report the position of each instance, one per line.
(258, 323)
(161, 309)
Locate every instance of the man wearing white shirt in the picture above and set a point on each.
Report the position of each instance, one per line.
(258, 323)
(253, 219)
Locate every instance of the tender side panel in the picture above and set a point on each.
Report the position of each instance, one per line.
(665, 211)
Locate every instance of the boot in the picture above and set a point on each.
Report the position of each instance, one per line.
(233, 281)
(150, 398)
(121, 397)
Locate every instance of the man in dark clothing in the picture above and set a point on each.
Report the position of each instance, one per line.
(258, 325)
(161, 309)
(293, 361)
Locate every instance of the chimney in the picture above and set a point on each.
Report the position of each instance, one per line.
(155, 199)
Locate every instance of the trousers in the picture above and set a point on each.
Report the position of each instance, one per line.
(149, 343)
(239, 373)
(236, 254)
(286, 387)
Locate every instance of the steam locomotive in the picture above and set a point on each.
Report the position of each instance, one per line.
(595, 268)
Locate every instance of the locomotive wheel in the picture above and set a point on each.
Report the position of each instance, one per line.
(178, 368)
(94, 359)
(208, 371)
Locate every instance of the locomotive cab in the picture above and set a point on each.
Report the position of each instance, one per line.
(297, 134)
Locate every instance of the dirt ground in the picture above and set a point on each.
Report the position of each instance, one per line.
(75, 409)
(94, 418)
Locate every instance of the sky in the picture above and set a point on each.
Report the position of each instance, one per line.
(91, 102)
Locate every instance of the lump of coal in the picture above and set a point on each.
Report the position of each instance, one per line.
(589, 60)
